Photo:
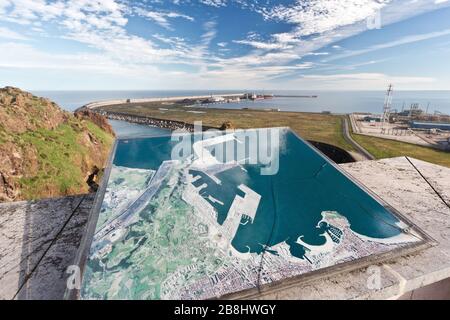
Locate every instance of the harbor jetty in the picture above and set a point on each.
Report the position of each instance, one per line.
(98, 104)
(202, 99)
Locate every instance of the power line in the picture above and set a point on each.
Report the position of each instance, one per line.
(270, 236)
(28, 276)
(429, 183)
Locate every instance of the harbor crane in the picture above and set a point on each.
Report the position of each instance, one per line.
(387, 108)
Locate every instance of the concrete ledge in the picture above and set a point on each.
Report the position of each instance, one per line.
(39, 239)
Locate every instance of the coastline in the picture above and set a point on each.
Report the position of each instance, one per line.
(325, 129)
(338, 102)
(103, 103)
(130, 112)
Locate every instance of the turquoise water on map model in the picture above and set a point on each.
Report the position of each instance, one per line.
(199, 227)
(291, 201)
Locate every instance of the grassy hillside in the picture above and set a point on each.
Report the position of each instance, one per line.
(45, 151)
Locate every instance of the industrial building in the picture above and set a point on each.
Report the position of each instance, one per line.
(430, 125)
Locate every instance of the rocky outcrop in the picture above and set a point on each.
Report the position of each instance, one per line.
(46, 151)
(96, 118)
(227, 125)
(21, 111)
(14, 161)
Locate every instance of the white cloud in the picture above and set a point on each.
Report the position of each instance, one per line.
(402, 41)
(210, 31)
(24, 56)
(317, 54)
(98, 24)
(319, 23)
(362, 81)
(214, 3)
(286, 37)
(102, 26)
(6, 33)
(174, 41)
(318, 16)
(162, 18)
(262, 45)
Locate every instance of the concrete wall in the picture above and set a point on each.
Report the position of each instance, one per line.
(436, 291)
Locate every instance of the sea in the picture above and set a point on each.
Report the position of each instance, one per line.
(337, 102)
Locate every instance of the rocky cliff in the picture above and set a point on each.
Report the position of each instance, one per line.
(98, 119)
(45, 151)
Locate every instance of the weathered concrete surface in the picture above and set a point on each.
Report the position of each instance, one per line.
(35, 249)
(433, 291)
(30, 232)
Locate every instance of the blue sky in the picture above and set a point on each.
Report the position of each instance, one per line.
(225, 44)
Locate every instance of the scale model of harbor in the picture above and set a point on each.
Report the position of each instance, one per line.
(183, 229)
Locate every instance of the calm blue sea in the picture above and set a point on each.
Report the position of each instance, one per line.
(334, 101)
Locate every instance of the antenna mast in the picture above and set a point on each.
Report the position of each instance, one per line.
(387, 108)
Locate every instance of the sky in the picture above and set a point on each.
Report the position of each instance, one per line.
(225, 44)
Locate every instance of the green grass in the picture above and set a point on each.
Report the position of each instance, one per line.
(384, 148)
(58, 168)
(44, 161)
(59, 155)
(311, 126)
(104, 137)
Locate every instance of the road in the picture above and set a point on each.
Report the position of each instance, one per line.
(346, 132)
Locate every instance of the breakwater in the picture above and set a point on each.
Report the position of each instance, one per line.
(336, 154)
(154, 122)
(98, 104)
